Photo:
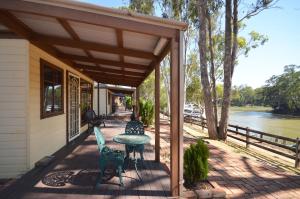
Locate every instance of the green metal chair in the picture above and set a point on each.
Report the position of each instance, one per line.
(108, 157)
(135, 127)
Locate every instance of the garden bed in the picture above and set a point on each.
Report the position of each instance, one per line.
(204, 189)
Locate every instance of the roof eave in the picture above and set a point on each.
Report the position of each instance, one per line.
(125, 14)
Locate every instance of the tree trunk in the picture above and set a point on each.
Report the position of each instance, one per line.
(165, 76)
(210, 116)
(212, 70)
(235, 33)
(227, 72)
(185, 66)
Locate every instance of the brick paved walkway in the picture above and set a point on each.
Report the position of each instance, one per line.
(243, 177)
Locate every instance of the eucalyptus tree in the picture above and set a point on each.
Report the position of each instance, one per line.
(220, 48)
(282, 92)
(182, 10)
(142, 6)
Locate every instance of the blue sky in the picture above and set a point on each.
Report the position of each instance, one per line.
(282, 26)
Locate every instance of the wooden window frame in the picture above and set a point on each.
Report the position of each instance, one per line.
(92, 92)
(44, 63)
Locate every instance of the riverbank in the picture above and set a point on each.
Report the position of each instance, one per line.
(263, 109)
(252, 108)
(262, 119)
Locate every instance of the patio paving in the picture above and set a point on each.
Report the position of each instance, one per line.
(241, 176)
(74, 175)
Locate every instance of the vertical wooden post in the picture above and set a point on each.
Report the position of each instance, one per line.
(247, 137)
(106, 96)
(237, 129)
(297, 158)
(202, 123)
(157, 112)
(176, 126)
(98, 98)
(137, 101)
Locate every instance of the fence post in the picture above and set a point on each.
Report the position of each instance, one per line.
(247, 137)
(202, 123)
(237, 129)
(297, 159)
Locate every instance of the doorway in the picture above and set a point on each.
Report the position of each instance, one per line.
(73, 106)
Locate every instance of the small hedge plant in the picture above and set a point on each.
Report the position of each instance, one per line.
(195, 163)
(147, 112)
(128, 102)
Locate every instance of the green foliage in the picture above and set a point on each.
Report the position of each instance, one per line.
(128, 102)
(196, 163)
(242, 96)
(142, 6)
(282, 92)
(194, 92)
(147, 88)
(147, 111)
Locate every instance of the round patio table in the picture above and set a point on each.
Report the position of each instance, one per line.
(133, 140)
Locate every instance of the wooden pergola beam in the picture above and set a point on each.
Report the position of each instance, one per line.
(6, 34)
(87, 17)
(87, 45)
(73, 34)
(120, 41)
(102, 61)
(98, 69)
(127, 92)
(68, 28)
(22, 30)
(15, 25)
(161, 56)
(115, 82)
(118, 77)
(114, 76)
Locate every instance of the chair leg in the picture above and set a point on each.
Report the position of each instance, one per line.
(120, 170)
(142, 158)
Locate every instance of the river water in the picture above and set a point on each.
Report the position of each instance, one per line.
(268, 122)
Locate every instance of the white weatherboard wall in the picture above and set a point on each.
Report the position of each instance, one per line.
(25, 138)
(13, 106)
(102, 101)
(46, 135)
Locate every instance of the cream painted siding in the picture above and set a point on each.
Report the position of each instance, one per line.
(46, 135)
(13, 100)
(102, 101)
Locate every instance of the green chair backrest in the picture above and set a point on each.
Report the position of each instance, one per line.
(100, 138)
(134, 127)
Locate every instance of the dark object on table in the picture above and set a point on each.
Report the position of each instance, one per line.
(93, 120)
(108, 157)
(135, 127)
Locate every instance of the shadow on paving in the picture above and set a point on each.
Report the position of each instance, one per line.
(242, 177)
